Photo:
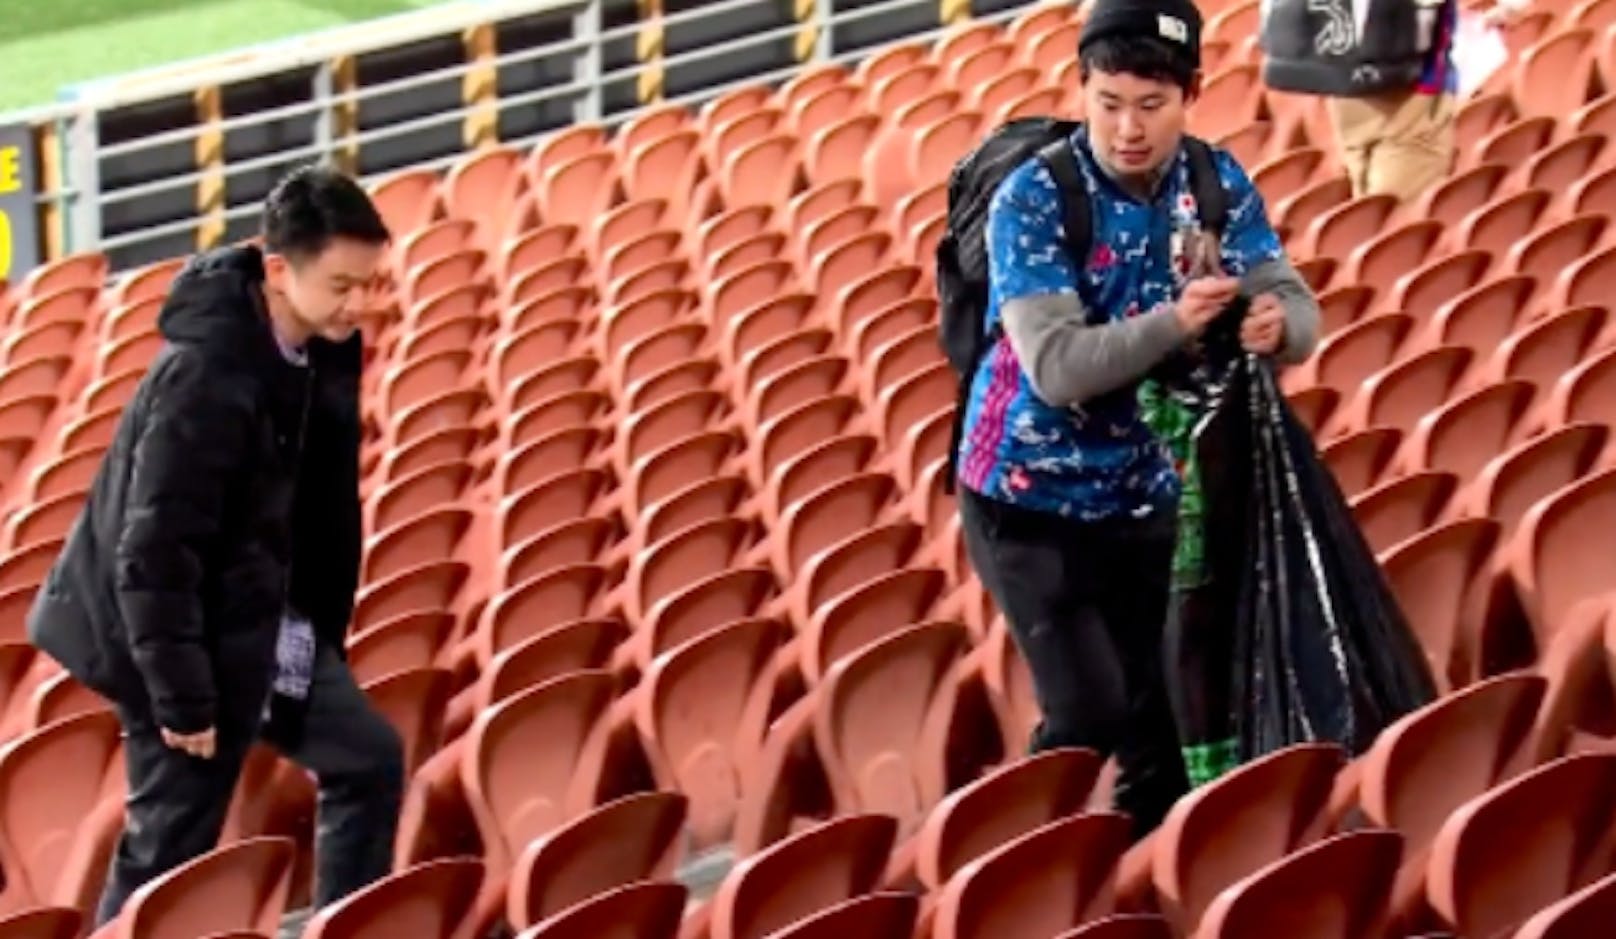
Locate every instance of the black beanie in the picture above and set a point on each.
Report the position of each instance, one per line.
(1177, 23)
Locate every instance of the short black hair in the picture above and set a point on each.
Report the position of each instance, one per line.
(1144, 56)
(315, 204)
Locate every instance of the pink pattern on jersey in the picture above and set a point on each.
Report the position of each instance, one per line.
(1004, 385)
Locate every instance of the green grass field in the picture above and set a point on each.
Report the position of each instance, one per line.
(46, 44)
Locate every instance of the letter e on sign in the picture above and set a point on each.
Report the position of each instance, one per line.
(10, 181)
(10, 170)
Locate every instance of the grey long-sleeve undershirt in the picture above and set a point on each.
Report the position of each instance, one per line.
(1069, 361)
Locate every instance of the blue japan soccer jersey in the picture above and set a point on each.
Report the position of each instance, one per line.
(1098, 461)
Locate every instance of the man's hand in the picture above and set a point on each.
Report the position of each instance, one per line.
(201, 745)
(1264, 328)
(1202, 300)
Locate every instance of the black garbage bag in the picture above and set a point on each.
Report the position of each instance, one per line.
(1320, 649)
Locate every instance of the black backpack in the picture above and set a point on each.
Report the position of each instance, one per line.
(962, 263)
(1315, 46)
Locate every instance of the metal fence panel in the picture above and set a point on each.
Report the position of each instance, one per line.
(152, 166)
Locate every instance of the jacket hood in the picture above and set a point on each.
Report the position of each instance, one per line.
(217, 302)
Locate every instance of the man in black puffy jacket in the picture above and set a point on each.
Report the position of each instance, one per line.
(207, 587)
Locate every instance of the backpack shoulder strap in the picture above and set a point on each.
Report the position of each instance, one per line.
(1062, 163)
(1210, 198)
(1079, 224)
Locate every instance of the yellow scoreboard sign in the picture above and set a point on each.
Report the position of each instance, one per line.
(19, 221)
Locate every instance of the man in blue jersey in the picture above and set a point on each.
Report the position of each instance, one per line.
(1067, 498)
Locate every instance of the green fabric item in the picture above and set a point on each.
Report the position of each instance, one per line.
(1205, 762)
(1173, 422)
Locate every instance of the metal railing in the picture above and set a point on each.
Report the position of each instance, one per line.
(163, 162)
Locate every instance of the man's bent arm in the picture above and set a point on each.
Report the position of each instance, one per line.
(189, 446)
(1068, 361)
(1252, 251)
(1295, 297)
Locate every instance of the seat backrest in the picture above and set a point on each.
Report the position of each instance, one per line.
(684, 558)
(560, 498)
(897, 762)
(629, 840)
(1543, 351)
(552, 599)
(415, 493)
(703, 707)
(1576, 661)
(429, 901)
(879, 914)
(1588, 912)
(1402, 508)
(573, 647)
(1506, 854)
(669, 471)
(53, 788)
(853, 563)
(1408, 390)
(414, 702)
(411, 641)
(1483, 316)
(1041, 883)
(1550, 559)
(718, 496)
(1343, 228)
(1587, 392)
(1435, 577)
(241, 886)
(430, 587)
(1520, 477)
(431, 536)
(1397, 253)
(1462, 435)
(1357, 460)
(870, 612)
(1124, 926)
(1349, 357)
(1452, 750)
(1232, 827)
(832, 460)
(647, 910)
(800, 875)
(704, 594)
(29, 566)
(43, 923)
(1336, 889)
(523, 771)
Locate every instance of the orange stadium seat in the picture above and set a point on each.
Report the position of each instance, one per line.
(660, 573)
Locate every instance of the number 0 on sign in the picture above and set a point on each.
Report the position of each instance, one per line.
(5, 247)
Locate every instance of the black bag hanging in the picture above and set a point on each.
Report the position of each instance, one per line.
(1321, 650)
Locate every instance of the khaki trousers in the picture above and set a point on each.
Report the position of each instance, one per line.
(1401, 144)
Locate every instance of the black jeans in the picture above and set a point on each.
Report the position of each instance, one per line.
(1086, 604)
(177, 803)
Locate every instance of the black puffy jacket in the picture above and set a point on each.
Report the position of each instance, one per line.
(230, 492)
